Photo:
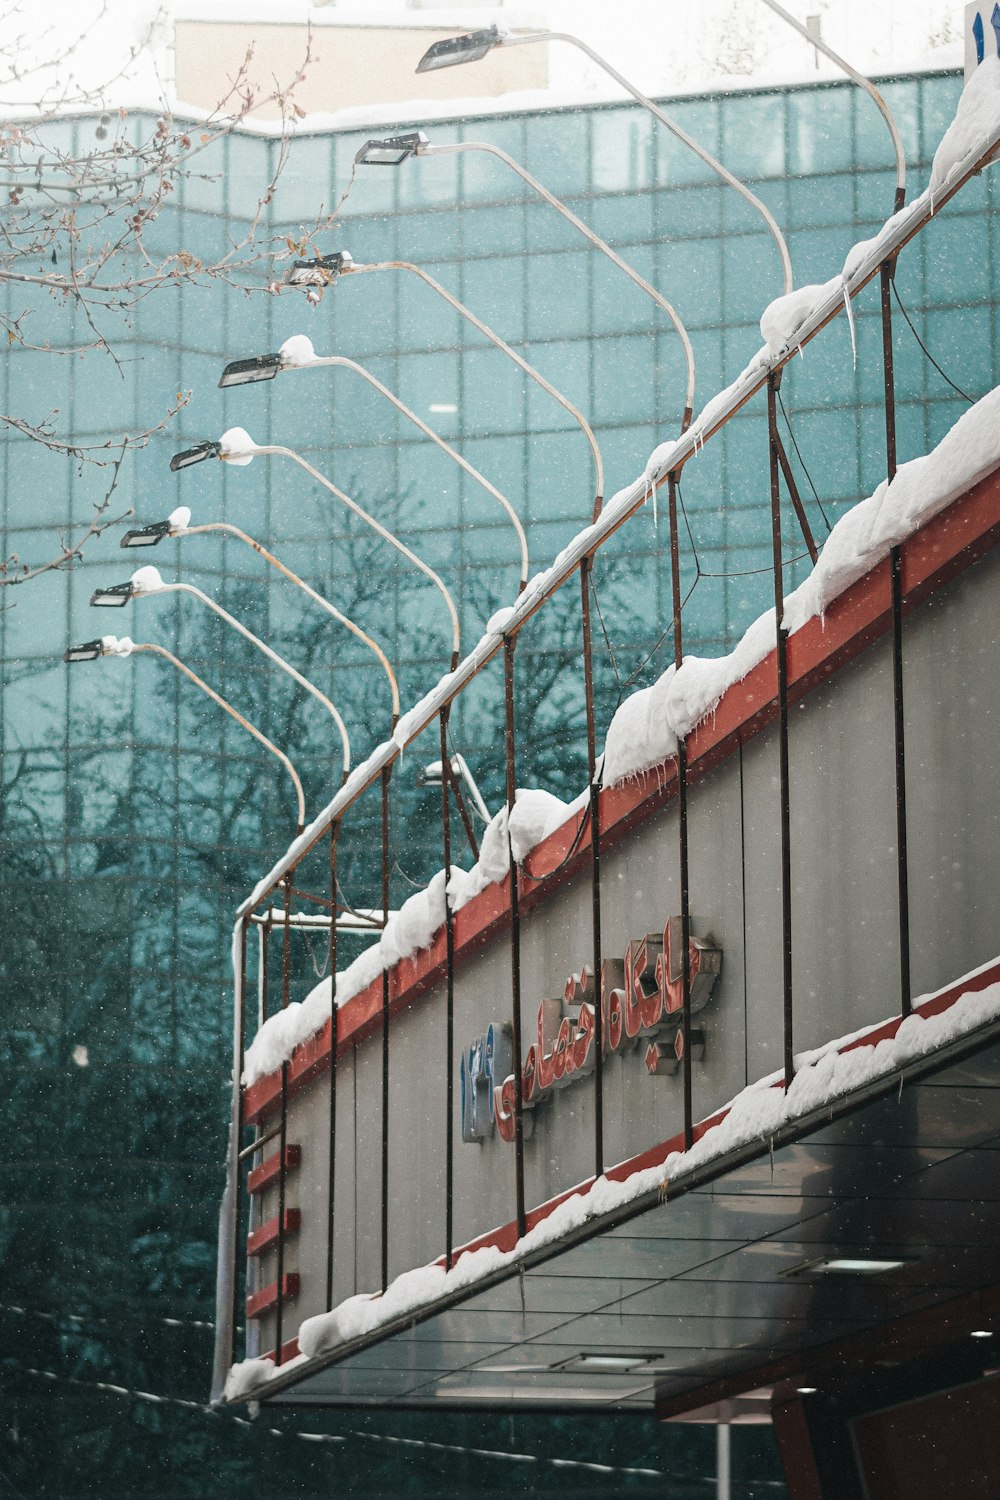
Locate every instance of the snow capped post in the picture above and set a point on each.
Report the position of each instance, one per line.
(147, 581)
(236, 446)
(304, 273)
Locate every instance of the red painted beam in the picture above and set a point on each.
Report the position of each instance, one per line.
(267, 1297)
(268, 1171)
(267, 1234)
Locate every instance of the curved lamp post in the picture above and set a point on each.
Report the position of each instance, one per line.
(178, 525)
(236, 446)
(326, 269)
(297, 353)
(476, 44)
(397, 148)
(862, 82)
(111, 645)
(147, 581)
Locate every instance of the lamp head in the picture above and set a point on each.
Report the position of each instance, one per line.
(391, 150)
(194, 455)
(460, 49)
(115, 597)
(105, 645)
(89, 651)
(250, 371)
(146, 536)
(431, 775)
(319, 271)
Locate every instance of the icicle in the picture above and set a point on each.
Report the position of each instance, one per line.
(850, 320)
(651, 494)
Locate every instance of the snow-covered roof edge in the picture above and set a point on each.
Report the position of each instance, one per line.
(417, 111)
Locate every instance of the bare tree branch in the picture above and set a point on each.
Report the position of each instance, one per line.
(76, 218)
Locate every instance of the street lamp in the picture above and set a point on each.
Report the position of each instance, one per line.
(297, 353)
(397, 149)
(237, 447)
(110, 645)
(178, 524)
(476, 44)
(433, 775)
(346, 265)
(147, 581)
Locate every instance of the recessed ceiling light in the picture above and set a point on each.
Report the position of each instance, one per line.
(860, 1267)
(806, 1390)
(608, 1362)
(981, 1333)
(844, 1265)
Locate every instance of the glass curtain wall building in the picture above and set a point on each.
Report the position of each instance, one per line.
(135, 817)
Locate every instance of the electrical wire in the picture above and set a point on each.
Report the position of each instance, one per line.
(220, 1413)
(909, 323)
(798, 454)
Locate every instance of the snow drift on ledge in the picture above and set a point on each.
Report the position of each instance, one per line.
(754, 1116)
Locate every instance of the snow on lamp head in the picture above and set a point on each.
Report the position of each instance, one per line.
(297, 352)
(113, 645)
(236, 446)
(147, 581)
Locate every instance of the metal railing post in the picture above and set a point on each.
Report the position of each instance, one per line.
(886, 276)
(334, 1028)
(682, 823)
(449, 939)
(781, 657)
(509, 644)
(384, 1220)
(586, 567)
(286, 971)
(237, 1168)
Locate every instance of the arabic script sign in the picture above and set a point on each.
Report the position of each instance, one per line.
(641, 996)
